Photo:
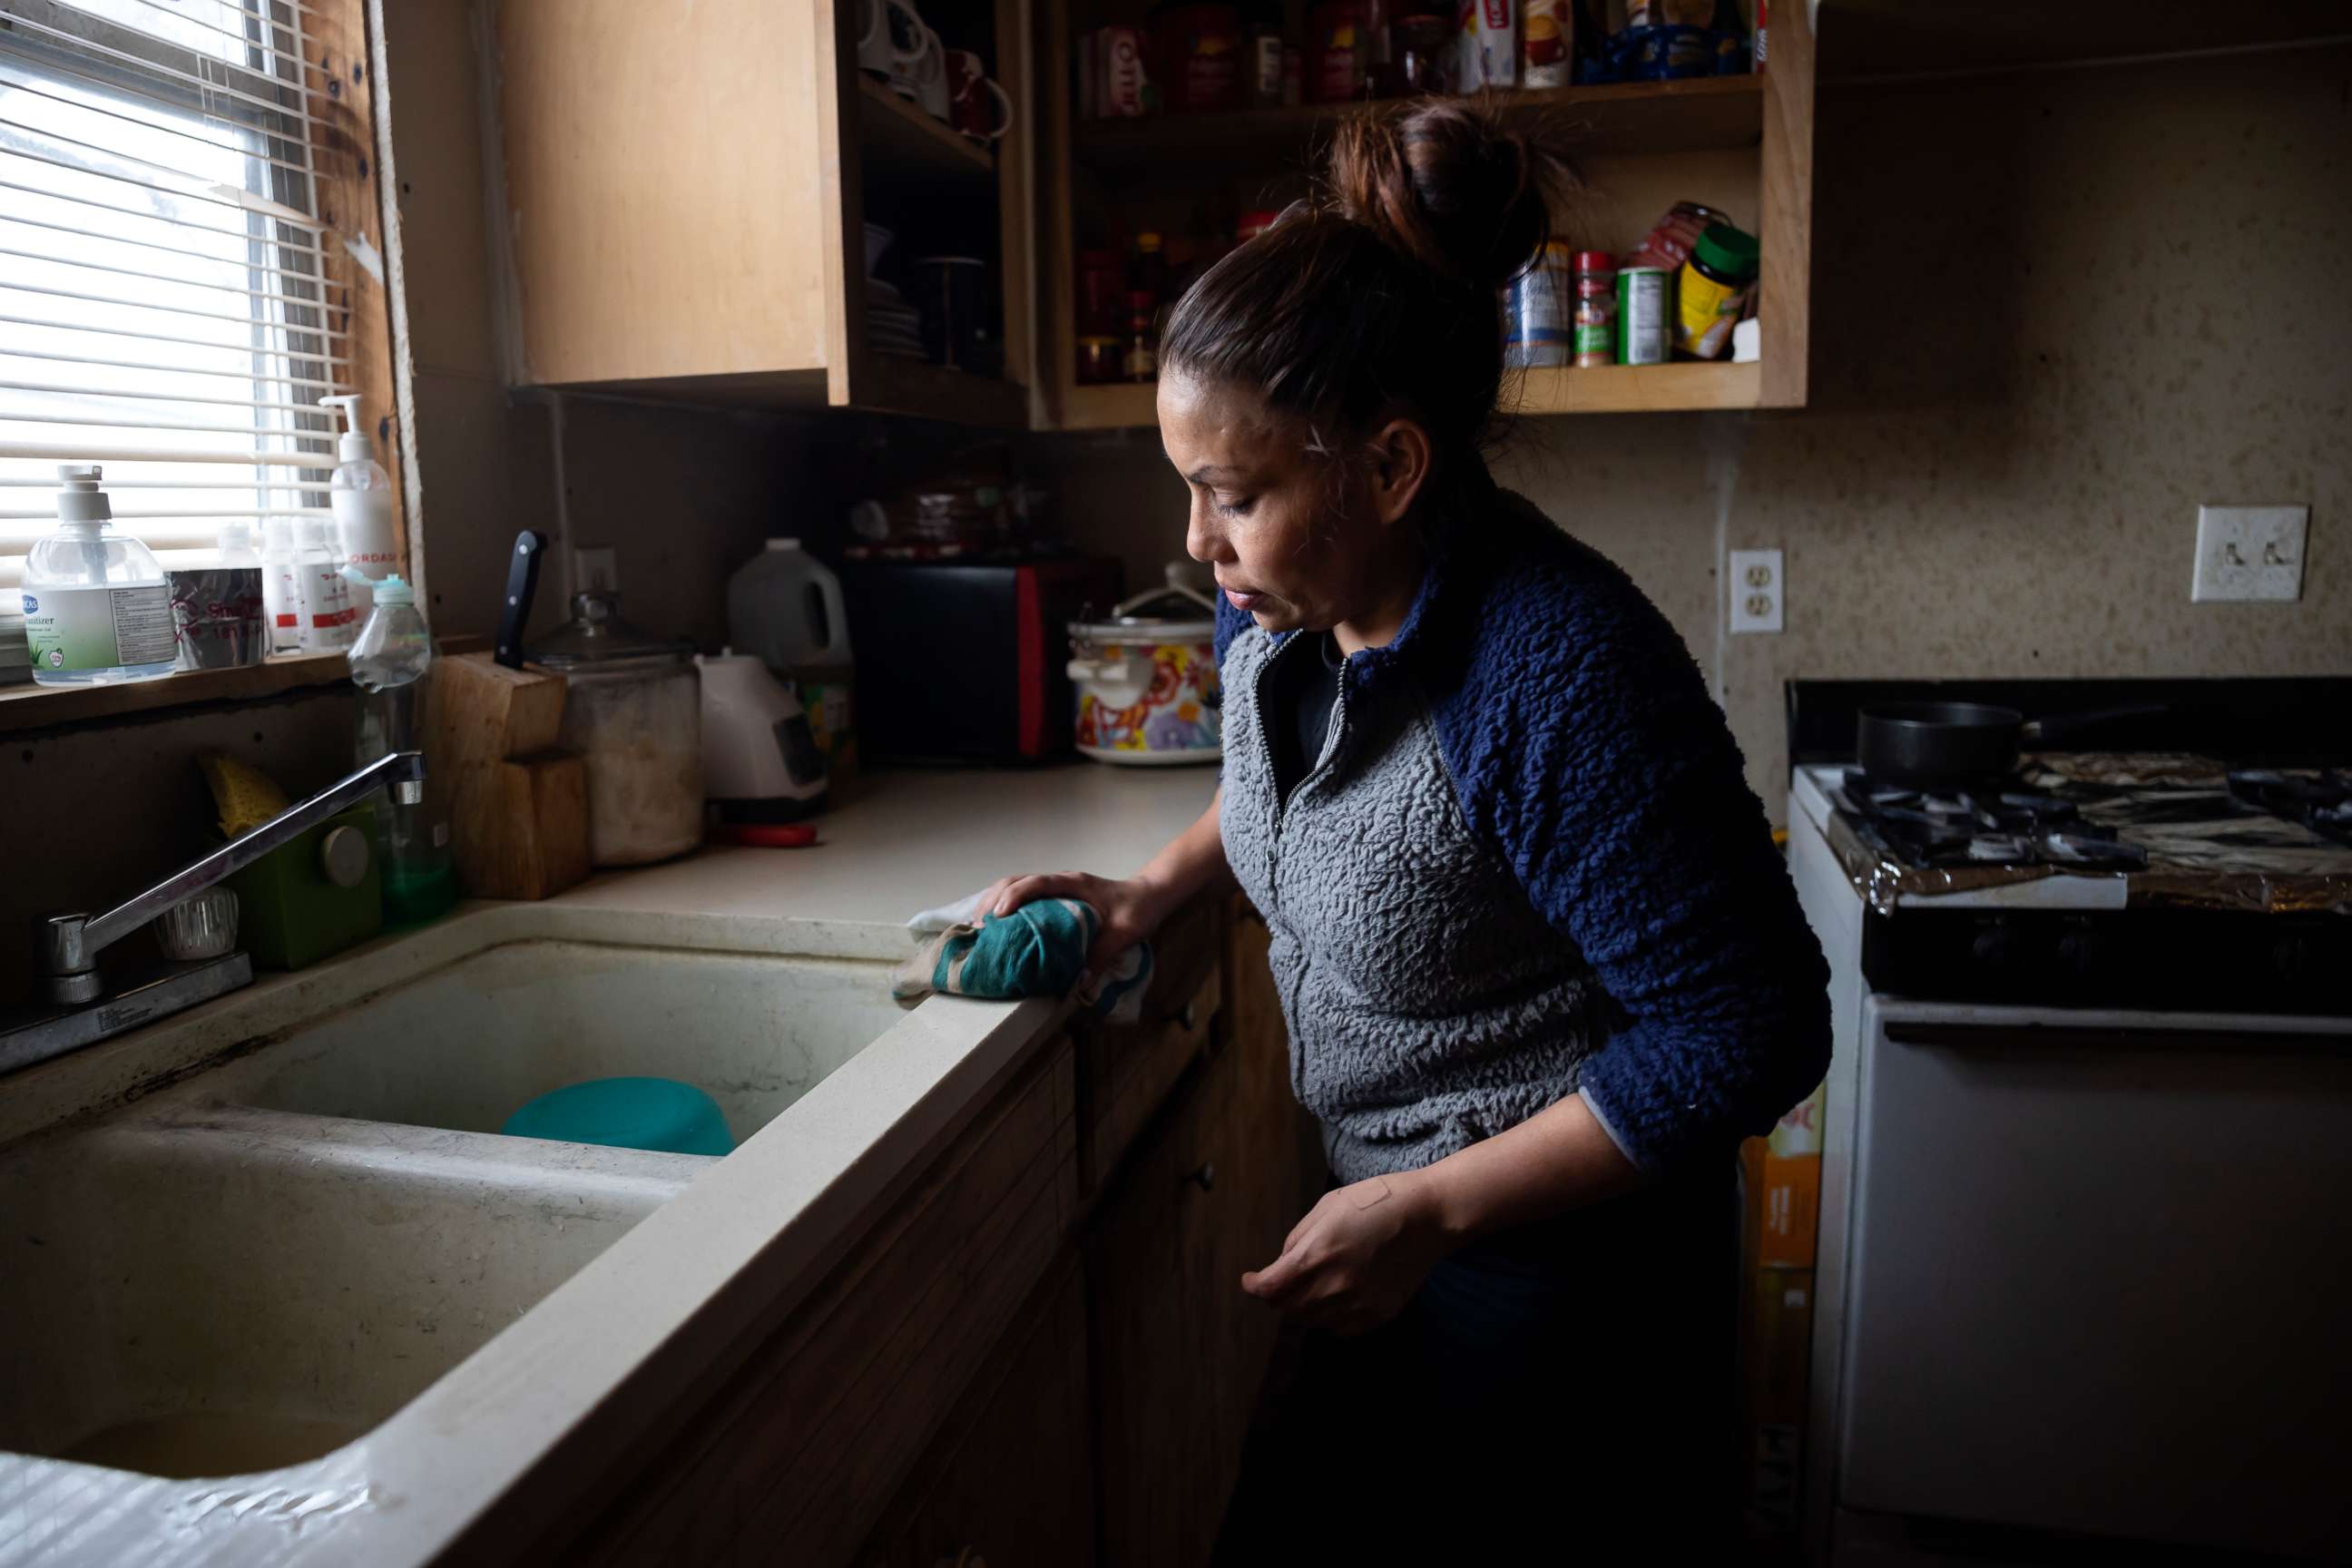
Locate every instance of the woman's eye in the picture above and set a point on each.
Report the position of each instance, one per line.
(1236, 508)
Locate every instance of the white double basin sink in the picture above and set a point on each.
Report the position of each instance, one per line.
(276, 1223)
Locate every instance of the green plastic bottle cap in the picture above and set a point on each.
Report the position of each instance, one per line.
(1730, 251)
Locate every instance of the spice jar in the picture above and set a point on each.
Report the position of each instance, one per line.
(1100, 359)
(1595, 328)
(1197, 49)
(1537, 309)
(1102, 292)
(1338, 62)
(1711, 289)
(1142, 360)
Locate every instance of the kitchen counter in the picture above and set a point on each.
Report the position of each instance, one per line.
(600, 1356)
(911, 840)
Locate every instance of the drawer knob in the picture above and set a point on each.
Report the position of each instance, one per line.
(1205, 1178)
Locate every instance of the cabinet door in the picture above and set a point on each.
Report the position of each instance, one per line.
(1158, 1367)
(1014, 1485)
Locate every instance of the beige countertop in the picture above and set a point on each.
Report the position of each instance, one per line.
(911, 840)
(744, 1237)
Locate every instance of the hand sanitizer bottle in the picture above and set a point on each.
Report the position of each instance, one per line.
(98, 608)
(281, 590)
(366, 520)
(328, 625)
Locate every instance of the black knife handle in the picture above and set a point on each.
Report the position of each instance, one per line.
(522, 586)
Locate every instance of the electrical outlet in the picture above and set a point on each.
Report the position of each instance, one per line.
(1758, 589)
(594, 568)
(2249, 552)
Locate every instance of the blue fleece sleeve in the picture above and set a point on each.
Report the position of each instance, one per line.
(1587, 750)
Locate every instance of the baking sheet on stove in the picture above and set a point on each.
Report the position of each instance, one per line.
(2206, 849)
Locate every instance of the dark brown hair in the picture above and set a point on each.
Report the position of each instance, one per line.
(1382, 292)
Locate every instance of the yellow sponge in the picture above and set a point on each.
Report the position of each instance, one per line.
(245, 794)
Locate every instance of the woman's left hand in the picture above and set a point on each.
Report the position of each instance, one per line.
(1357, 1257)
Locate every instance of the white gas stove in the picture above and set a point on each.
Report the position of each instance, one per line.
(2083, 1262)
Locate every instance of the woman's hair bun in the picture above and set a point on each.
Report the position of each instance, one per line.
(1447, 185)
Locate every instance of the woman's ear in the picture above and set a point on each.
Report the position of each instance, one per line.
(1400, 467)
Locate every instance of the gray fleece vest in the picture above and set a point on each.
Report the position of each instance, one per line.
(1430, 1004)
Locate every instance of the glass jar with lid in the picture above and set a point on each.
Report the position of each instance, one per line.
(632, 710)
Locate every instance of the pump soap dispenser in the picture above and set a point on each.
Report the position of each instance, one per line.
(366, 521)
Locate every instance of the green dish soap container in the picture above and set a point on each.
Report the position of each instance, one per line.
(315, 896)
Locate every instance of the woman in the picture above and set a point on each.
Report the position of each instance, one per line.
(1540, 963)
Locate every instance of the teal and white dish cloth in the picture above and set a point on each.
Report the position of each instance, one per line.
(1038, 949)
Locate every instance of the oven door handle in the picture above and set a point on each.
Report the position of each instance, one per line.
(2062, 1036)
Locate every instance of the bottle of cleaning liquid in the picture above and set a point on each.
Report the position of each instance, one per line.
(366, 520)
(328, 625)
(98, 608)
(281, 587)
(389, 660)
(784, 607)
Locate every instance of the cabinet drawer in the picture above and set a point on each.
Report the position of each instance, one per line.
(826, 1415)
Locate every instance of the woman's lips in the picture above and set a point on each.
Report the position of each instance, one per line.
(1242, 600)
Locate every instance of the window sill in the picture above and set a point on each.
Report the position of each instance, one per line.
(32, 707)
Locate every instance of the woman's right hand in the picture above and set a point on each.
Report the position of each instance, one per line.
(1130, 911)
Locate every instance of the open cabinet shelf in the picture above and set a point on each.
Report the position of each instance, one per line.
(900, 142)
(1742, 144)
(1616, 389)
(1699, 115)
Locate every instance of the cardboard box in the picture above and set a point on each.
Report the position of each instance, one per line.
(1790, 1188)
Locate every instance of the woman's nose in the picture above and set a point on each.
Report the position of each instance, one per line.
(1202, 540)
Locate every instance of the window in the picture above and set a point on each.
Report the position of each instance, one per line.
(171, 304)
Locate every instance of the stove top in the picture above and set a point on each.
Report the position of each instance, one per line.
(2097, 830)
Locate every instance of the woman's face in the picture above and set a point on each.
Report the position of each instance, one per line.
(1297, 538)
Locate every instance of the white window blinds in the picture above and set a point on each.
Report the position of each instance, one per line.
(163, 309)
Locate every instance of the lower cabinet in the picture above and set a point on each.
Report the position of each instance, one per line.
(1011, 1482)
(1210, 1191)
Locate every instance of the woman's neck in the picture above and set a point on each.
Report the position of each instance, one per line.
(1391, 601)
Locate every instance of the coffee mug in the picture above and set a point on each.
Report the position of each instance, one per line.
(970, 96)
(930, 74)
(878, 27)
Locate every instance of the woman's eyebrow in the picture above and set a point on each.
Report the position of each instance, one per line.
(1209, 473)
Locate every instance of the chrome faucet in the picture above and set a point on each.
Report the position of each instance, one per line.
(68, 945)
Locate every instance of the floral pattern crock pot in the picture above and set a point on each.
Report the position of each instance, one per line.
(1147, 684)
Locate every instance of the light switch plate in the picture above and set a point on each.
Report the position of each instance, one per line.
(2249, 552)
(1758, 588)
(594, 567)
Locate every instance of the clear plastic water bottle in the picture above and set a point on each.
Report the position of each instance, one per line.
(389, 661)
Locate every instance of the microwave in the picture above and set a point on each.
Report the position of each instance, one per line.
(968, 662)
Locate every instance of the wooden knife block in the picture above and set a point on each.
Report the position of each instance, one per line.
(517, 808)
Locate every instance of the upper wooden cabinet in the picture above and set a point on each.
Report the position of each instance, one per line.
(689, 191)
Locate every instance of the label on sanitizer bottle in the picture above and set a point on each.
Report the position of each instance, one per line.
(98, 629)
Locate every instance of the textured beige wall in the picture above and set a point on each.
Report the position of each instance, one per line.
(2053, 312)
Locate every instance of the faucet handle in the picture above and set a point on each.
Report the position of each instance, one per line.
(65, 959)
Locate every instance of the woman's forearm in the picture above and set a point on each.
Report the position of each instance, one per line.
(1193, 860)
(1558, 1159)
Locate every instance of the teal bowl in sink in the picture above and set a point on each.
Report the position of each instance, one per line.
(656, 1113)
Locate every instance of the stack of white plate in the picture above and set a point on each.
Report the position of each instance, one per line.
(892, 326)
(16, 662)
